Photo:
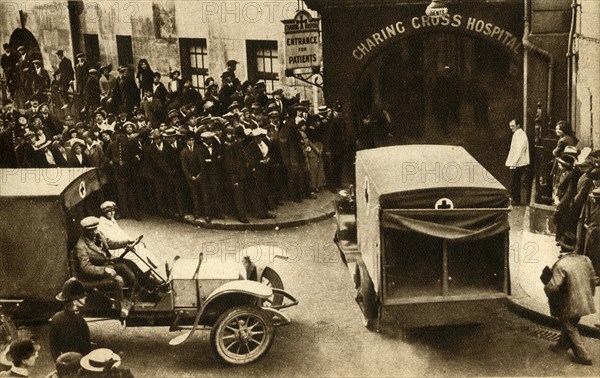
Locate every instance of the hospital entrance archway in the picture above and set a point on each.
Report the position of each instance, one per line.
(446, 88)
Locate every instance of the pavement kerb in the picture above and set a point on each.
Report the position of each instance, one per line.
(234, 225)
(547, 320)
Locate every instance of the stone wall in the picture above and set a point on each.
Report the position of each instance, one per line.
(586, 114)
(155, 28)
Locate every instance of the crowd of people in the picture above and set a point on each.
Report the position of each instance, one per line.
(70, 344)
(169, 150)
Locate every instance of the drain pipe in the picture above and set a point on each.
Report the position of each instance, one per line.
(529, 46)
(570, 56)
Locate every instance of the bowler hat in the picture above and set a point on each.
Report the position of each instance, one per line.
(231, 62)
(20, 350)
(59, 52)
(89, 223)
(72, 290)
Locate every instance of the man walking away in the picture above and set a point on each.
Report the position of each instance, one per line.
(570, 295)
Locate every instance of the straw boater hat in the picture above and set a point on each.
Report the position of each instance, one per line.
(259, 131)
(207, 135)
(100, 359)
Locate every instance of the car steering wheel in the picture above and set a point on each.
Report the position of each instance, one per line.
(131, 246)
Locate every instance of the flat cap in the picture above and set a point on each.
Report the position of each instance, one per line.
(89, 223)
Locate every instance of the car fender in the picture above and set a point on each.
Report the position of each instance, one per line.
(275, 252)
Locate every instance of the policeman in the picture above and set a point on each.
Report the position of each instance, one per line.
(68, 330)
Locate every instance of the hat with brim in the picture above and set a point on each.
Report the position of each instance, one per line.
(256, 105)
(566, 160)
(595, 193)
(100, 359)
(207, 135)
(68, 364)
(567, 242)
(155, 134)
(129, 123)
(77, 141)
(72, 290)
(234, 105)
(174, 113)
(183, 131)
(322, 109)
(273, 113)
(21, 48)
(36, 61)
(80, 55)
(170, 132)
(258, 132)
(204, 120)
(89, 223)
(583, 155)
(231, 62)
(92, 71)
(571, 150)
(20, 350)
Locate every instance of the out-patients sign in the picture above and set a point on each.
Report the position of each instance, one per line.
(302, 41)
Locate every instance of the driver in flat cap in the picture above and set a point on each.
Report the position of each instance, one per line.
(95, 266)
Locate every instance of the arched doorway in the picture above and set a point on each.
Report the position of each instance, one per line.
(446, 88)
(23, 37)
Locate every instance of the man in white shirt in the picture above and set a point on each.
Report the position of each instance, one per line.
(518, 159)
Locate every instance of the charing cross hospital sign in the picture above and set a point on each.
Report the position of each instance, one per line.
(421, 23)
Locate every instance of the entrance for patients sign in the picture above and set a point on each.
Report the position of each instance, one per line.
(302, 41)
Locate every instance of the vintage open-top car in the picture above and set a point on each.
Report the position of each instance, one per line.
(425, 236)
(41, 210)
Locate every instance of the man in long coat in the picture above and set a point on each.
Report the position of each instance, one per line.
(570, 294)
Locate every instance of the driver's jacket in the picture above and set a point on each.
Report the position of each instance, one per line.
(93, 258)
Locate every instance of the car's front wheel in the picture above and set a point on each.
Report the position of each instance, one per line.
(242, 335)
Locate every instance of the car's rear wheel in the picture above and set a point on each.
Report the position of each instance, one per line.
(242, 335)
